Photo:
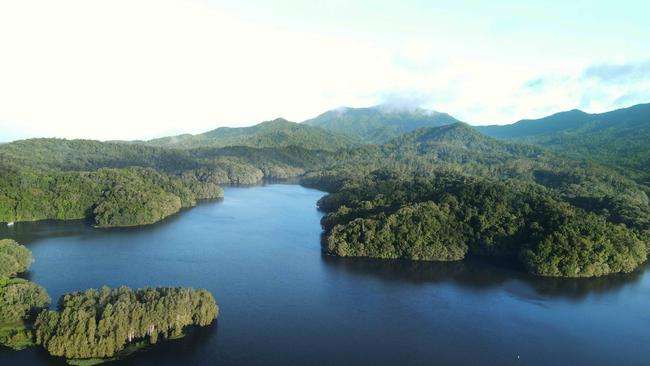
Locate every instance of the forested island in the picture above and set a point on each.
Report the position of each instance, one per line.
(99, 324)
(96, 325)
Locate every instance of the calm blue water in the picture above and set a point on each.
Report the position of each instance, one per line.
(284, 303)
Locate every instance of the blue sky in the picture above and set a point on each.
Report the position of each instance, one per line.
(133, 69)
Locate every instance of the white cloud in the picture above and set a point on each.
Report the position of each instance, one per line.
(134, 69)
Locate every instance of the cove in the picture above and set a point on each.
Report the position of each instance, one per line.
(282, 302)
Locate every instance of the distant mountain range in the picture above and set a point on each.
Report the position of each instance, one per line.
(620, 138)
(573, 121)
(275, 133)
(333, 130)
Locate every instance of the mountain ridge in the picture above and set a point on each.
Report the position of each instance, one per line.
(618, 138)
(562, 121)
(278, 132)
(380, 123)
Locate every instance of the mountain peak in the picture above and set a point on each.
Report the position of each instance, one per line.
(379, 123)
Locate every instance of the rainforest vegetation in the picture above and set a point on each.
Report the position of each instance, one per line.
(100, 323)
(20, 300)
(108, 197)
(269, 134)
(446, 192)
(448, 216)
(94, 324)
(618, 139)
(570, 201)
(578, 201)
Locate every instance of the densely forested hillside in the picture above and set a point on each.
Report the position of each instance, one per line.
(118, 184)
(532, 127)
(378, 124)
(237, 164)
(459, 148)
(448, 216)
(129, 184)
(527, 184)
(109, 197)
(276, 133)
(618, 138)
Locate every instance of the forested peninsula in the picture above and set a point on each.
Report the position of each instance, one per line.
(115, 184)
(448, 217)
(446, 192)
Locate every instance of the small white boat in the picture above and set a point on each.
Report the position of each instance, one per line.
(10, 223)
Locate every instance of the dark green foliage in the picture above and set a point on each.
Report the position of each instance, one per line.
(276, 133)
(14, 258)
(20, 300)
(88, 155)
(422, 231)
(62, 179)
(110, 197)
(54, 178)
(99, 323)
(534, 127)
(447, 215)
(618, 138)
(123, 207)
(225, 171)
(585, 246)
(503, 196)
(459, 149)
(378, 124)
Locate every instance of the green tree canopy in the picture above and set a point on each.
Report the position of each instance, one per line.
(98, 323)
(14, 258)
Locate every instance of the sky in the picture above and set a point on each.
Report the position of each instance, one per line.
(140, 69)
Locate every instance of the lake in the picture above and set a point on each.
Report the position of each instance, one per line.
(282, 302)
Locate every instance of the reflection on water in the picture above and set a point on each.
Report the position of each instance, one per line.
(282, 302)
(480, 273)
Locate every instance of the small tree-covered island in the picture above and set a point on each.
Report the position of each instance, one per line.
(100, 324)
(401, 185)
(96, 325)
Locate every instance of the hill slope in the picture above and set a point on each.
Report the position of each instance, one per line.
(444, 192)
(533, 127)
(378, 124)
(620, 138)
(119, 184)
(275, 133)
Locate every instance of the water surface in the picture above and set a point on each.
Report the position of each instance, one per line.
(283, 303)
